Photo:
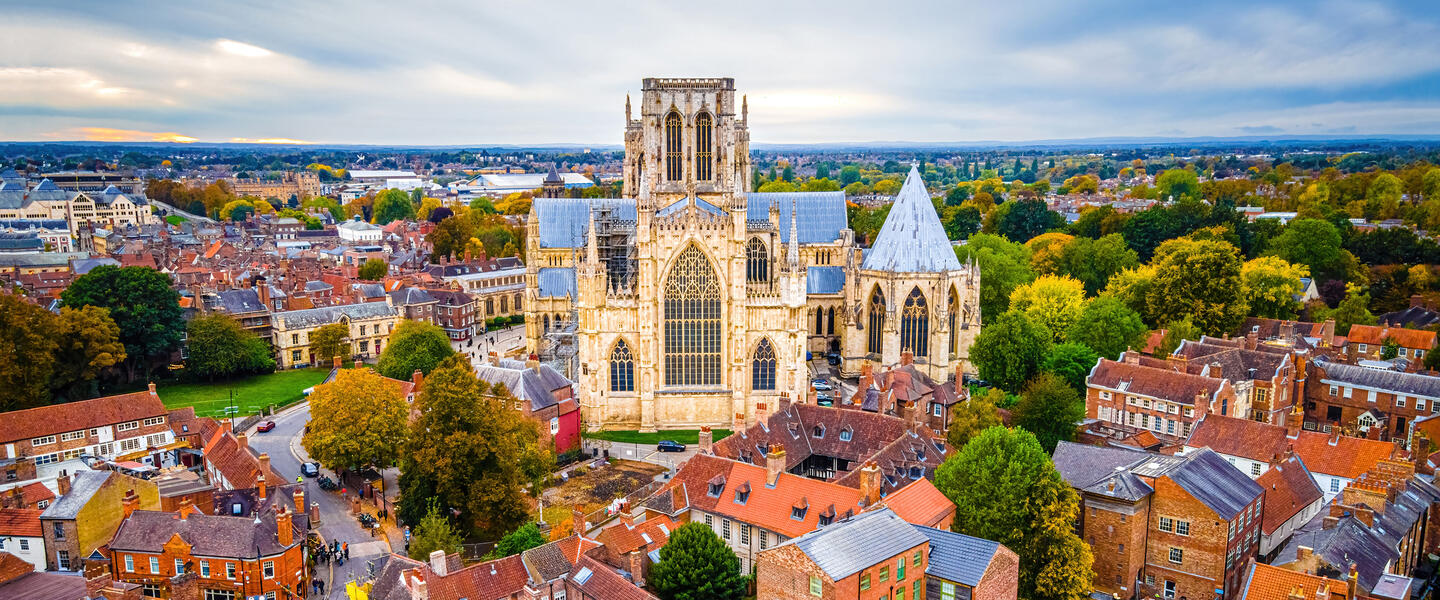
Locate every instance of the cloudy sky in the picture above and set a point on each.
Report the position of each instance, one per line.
(419, 72)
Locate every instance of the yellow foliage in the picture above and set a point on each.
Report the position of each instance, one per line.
(1051, 300)
(1045, 251)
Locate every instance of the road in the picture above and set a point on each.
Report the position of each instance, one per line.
(501, 341)
(336, 523)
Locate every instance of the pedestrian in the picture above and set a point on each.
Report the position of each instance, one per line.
(346, 546)
(322, 587)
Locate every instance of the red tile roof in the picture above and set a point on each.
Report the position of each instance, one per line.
(1164, 384)
(1264, 582)
(75, 416)
(1289, 489)
(240, 466)
(603, 582)
(20, 522)
(1244, 438)
(494, 579)
(920, 503)
(624, 539)
(32, 493)
(1339, 455)
(1407, 338)
(766, 507)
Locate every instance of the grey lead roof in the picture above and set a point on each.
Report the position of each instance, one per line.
(565, 222)
(1212, 480)
(83, 485)
(1081, 465)
(958, 557)
(850, 545)
(824, 280)
(1401, 383)
(557, 282)
(330, 314)
(912, 240)
(819, 215)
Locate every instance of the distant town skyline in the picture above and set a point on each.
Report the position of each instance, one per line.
(435, 74)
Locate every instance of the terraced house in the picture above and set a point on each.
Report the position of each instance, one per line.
(1139, 394)
(40, 443)
(1371, 402)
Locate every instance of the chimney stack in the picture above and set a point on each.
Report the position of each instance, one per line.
(283, 529)
(262, 289)
(437, 563)
(707, 437)
(1354, 582)
(739, 424)
(242, 440)
(299, 499)
(774, 464)
(637, 568)
(417, 378)
(870, 483)
(260, 486)
(577, 519)
(761, 411)
(64, 482)
(187, 507)
(130, 502)
(1217, 371)
(152, 388)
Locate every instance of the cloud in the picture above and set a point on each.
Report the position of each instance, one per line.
(1259, 129)
(241, 49)
(106, 134)
(284, 141)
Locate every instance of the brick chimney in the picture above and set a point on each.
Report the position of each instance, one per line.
(907, 358)
(1252, 339)
(707, 438)
(774, 464)
(130, 502)
(260, 485)
(577, 519)
(625, 517)
(63, 481)
(242, 440)
(262, 289)
(739, 424)
(438, 565)
(1354, 581)
(187, 508)
(762, 410)
(299, 496)
(283, 528)
(417, 378)
(335, 361)
(152, 388)
(265, 464)
(359, 364)
(1217, 371)
(959, 375)
(226, 426)
(870, 483)
(637, 568)
(1294, 422)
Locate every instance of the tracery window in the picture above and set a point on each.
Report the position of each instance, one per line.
(762, 367)
(704, 151)
(819, 321)
(954, 312)
(757, 262)
(877, 322)
(692, 322)
(915, 325)
(830, 321)
(674, 147)
(622, 368)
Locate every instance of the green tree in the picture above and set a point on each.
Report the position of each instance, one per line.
(1006, 489)
(220, 348)
(1094, 262)
(1430, 184)
(30, 338)
(1051, 408)
(776, 186)
(969, 418)
(88, 344)
(373, 270)
(957, 195)
(1271, 285)
(819, 184)
(1178, 184)
(849, 174)
(1382, 198)
(1390, 349)
(468, 450)
(526, 537)
(697, 565)
(1314, 243)
(1026, 219)
(1353, 310)
(1055, 302)
(1108, 327)
(434, 532)
(1132, 288)
(414, 346)
(141, 302)
(1199, 280)
(1175, 332)
(392, 205)
(1009, 350)
(1005, 265)
(1072, 362)
(960, 222)
(788, 174)
(357, 420)
(330, 341)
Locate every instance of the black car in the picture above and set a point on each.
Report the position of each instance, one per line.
(670, 446)
(833, 359)
(310, 469)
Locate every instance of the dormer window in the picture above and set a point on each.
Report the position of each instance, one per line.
(717, 485)
(828, 516)
(819, 431)
(846, 434)
(798, 510)
(742, 494)
(916, 472)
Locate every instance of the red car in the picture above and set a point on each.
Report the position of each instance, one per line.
(264, 427)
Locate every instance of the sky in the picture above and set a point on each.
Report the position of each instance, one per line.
(475, 73)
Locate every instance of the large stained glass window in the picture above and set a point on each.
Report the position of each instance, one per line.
(954, 313)
(757, 262)
(762, 367)
(674, 147)
(877, 322)
(704, 149)
(915, 325)
(622, 368)
(692, 322)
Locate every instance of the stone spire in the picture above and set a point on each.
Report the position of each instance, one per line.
(793, 248)
(627, 108)
(745, 109)
(592, 247)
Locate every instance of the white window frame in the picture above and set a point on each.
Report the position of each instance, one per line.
(152, 421)
(128, 426)
(44, 440)
(155, 565)
(129, 563)
(1177, 555)
(72, 436)
(267, 569)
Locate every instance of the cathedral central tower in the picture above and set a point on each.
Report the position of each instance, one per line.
(687, 142)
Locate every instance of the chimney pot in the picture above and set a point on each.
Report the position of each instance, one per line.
(152, 388)
(870, 483)
(63, 482)
(774, 464)
(242, 440)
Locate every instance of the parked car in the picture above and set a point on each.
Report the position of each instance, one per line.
(310, 469)
(264, 427)
(670, 446)
(833, 359)
(821, 397)
(821, 385)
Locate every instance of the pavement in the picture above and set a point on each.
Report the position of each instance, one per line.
(504, 342)
(336, 522)
(643, 453)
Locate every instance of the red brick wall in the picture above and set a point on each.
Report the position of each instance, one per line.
(1002, 580)
(1204, 551)
(287, 566)
(1105, 529)
(783, 573)
(23, 447)
(1318, 400)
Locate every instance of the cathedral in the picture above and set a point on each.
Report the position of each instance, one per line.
(693, 300)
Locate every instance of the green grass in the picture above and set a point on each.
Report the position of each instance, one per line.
(684, 436)
(175, 220)
(252, 393)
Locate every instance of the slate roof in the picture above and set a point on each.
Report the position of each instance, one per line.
(1289, 489)
(819, 215)
(83, 485)
(1414, 316)
(1348, 541)
(824, 280)
(1410, 384)
(387, 584)
(411, 295)
(1244, 438)
(851, 545)
(314, 317)
(557, 282)
(241, 301)
(1081, 465)
(1208, 478)
(1234, 363)
(75, 416)
(1121, 484)
(43, 585)
(536, 386)
(208, 535)
(47, 191)
(958, 557)
(912, 240)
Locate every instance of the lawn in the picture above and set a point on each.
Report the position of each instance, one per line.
(684, 436)
(252, 393)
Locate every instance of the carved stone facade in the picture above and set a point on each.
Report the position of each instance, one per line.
(693, 301)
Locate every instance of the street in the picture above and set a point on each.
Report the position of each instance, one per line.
(501, 341)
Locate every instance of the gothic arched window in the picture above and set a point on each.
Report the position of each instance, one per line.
(877, 322)
(622, 368)
(692, 321)
(674, 147)
(762, 367)
(830, 321)
(704, 151)
(954, 312)
(915, 325)
(819, 321)
(757, 262)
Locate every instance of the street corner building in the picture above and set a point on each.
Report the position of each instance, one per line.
(693, 299)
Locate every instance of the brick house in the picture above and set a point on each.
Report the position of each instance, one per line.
(41, 442)
(1251, 446)
(1137, 394)
(633, 546)
(1264, 379)
(1368, 341)
(1335, 460)
(1292, 499)
(911, 393)
(85, 517)
(543, 395)
(455, 313)
(1164, 526)
(231, 464)
(1376, 403)
(232, 557)
(1264, 582)
(414, 304)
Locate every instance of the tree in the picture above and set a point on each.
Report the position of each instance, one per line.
(1009, 350)
(849, 174)
(357, 420)
(392, 205)
(89, 343)
(1055, 302)
(1176, 332)
(1045, 251)
(1430, 184)
(819, 184)
(1026, 219)
(220, 348)
(1353, 310)
(434, 532)
(1390, 349)
(29, 336)
(1132, 288)
(776, 186)
(1094, 262)
(414, 346)
(969, 418)
(526, 537)
(1005, 265)
(1080, 184)
(1070, 361)
(1382, 199)
(330, 341)
(373, 270)
(141, 302)
(1006, 489)
(1199, 280)
(468, 450)
(1108, 327)
(1314, 243)
(1177, 184)
(1050, 407)
(697, 565)
(1271, 285)
(960, 222)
